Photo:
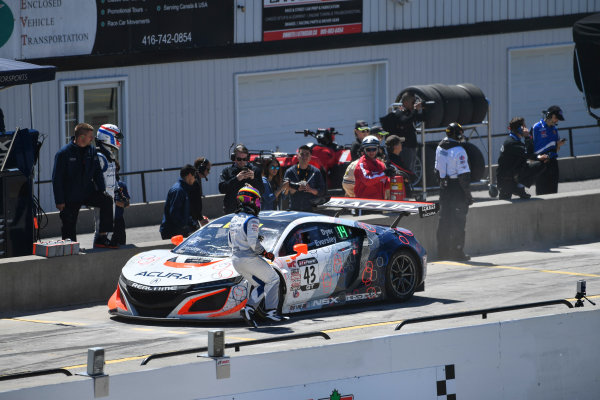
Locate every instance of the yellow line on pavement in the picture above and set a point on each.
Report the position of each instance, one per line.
(548, 271)
(38, 321)
(111, 361)
(240, 338)
(349, 328)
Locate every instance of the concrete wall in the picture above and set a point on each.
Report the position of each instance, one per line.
(33, 283)
(146, 214)
(535, 358)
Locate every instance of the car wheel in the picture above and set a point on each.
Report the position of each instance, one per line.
(402, 276)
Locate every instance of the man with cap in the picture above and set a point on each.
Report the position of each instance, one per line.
(361, 131)
(547, 141)
(381, 134)
(305, 181)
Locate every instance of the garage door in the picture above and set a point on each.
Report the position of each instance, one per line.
(271, 106)
(543, 76)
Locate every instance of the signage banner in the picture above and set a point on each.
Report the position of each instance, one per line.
(57, 28)
(299, 19)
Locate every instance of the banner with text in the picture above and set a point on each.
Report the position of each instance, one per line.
(299, 19)
(57, 28)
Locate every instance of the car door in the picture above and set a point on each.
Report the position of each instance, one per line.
(333, 252)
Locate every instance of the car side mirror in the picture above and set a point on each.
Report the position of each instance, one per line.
(300, 248)
(176, 240)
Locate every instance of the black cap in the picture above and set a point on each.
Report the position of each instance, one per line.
(305, 147)
(361, 124)
(378, 130)
(555, 110)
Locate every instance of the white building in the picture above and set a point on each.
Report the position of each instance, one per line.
(257, 87)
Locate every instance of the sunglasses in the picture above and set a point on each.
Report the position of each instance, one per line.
(371, 149)
(241, 159)
(274, 167)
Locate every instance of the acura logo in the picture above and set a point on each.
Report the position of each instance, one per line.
(155, 281)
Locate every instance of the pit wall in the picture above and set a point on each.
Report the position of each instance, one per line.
(548, 357)
(34, 283)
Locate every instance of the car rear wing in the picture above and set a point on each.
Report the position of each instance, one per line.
(402, 208)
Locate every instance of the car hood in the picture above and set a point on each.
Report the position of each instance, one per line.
(165, 268)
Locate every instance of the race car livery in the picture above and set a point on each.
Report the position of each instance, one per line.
(322, 261)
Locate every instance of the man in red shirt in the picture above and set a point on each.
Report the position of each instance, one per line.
(371, 174)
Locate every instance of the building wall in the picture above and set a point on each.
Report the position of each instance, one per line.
(179, 111)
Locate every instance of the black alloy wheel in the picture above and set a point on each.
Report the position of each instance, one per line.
(402, 276)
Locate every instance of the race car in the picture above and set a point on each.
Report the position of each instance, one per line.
(323, 261)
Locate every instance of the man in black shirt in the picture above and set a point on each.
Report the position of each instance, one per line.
(401, 122)
(236, 176)
(306, 182)
(514, 173)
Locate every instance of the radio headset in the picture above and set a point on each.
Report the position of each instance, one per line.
(240, 148)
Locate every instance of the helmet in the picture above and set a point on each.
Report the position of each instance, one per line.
(454, 131)
(369, 141)
(248, 198)
(109, 135)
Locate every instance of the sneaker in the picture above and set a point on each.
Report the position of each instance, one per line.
(522, 193)
(274, 316)
(104, 243)
(247, 314)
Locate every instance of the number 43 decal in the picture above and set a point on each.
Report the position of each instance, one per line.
(309, 278)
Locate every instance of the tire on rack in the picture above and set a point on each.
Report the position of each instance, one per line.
(402, 275)
(465, 109)
(433, 113)
(476, 161)
(450, 101)
(480, 104)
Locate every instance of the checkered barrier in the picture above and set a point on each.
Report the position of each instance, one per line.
(446, 384)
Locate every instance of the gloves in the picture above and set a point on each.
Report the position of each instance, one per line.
(268, 255)
(390, 171)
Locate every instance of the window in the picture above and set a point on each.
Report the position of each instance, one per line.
(318, 235)
(96, 102)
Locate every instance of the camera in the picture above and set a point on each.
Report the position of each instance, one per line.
(295, 185)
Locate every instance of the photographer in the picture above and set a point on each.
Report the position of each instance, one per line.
(236, 176)
(305, 182)
(401, 122)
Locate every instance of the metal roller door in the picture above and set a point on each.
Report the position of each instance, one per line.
(271, 106)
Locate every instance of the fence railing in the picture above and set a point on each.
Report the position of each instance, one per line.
(143, 173)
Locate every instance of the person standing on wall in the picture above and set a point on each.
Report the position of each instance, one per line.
(236, 176)
(451, 163)
(546, 141)
(401, 122)
(77, 180)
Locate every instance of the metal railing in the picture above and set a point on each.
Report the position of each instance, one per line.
(143, 173)
(236, 345)
(483, 312)
(28, 374)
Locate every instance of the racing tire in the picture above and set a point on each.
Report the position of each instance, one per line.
(433, 113)
(476, 161)
(451, 104)
(465, 109)
(402, 276)
(480, 104)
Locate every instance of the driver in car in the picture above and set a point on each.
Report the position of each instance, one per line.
(244, 239)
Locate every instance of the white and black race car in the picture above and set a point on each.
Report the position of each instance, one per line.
(322, 261)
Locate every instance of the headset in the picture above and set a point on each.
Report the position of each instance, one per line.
(240, 148)
(203, 165)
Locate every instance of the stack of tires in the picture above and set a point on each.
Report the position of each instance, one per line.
(464, 103)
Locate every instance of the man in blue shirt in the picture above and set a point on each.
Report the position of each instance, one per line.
(547, 141)
(177, 219)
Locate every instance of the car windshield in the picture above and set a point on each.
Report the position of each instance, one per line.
(211, 240)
